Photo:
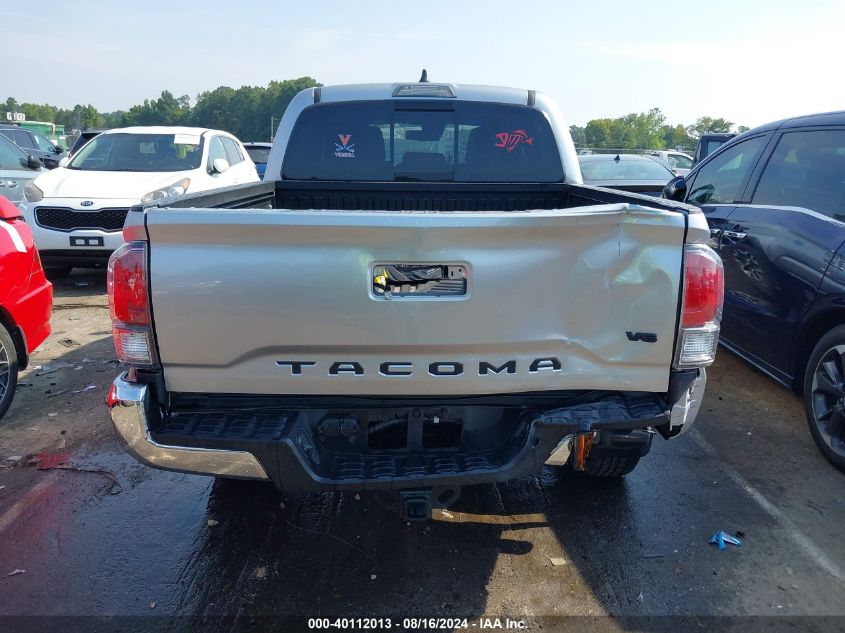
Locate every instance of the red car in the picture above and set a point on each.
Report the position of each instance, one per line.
(26, 299)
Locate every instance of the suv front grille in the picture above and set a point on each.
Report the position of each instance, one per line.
(65, 219)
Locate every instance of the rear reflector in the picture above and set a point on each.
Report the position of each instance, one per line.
(133, 346)
(698, 346)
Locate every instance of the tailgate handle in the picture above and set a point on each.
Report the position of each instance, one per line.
(418, 280)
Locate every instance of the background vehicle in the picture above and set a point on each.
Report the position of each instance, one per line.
(34, 144)
(259, 153)
(83, 138)
(709, 143)
(17, 168)
(678, 162)
(628, 172)
(54, 132)
(384, 334)
(26, 298)
(774, 198)
(77, 211)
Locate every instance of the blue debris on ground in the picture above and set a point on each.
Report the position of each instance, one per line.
(721, 538)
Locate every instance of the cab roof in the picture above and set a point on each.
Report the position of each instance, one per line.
(161, 129)
(462, 92)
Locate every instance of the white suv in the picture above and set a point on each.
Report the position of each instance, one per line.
(678, 162)
(77, 211)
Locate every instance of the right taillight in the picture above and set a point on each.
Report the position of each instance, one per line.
(129, 305)
(704, 289)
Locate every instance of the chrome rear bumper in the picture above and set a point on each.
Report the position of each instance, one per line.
(129, 407)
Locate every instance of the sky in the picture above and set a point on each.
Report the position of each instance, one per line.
(748, 61)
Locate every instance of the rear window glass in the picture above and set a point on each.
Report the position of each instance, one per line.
(632, 168)
(258, 154)
(458, 142)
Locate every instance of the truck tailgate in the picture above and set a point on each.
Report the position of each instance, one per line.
(281, 302)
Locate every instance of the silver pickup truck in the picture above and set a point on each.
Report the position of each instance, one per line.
(421, 295)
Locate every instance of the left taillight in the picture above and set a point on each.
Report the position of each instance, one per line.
(129, 305)
(701, 313)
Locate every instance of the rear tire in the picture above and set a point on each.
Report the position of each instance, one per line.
(824, 396)
(57, 272)
(8, 370)
(610, 467)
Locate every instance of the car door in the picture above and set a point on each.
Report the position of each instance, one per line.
(240, 167)
(215, 151)
(777, 247)
(718, 183)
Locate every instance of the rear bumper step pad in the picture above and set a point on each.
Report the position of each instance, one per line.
(284, 445)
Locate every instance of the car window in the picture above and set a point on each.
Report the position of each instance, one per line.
(626, 168)
(679, 161)
(216, 150)
(23, 139)
(807, 169)
(258, 154)
(140, 152)
(11, 156)
(43, 143)
(454, 142)
(233, 152)
(720, 180)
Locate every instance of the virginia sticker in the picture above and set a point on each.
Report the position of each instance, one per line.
(344, 149)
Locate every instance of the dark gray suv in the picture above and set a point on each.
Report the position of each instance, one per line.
(34, 144)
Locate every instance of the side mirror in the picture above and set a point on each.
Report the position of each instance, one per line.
(32, 162)
(58, 150)
(676, 189)
(64, 161)
(219, 165)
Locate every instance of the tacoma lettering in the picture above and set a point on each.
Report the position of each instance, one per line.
(447, 368)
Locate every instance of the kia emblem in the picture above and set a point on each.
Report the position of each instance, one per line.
(87, 203)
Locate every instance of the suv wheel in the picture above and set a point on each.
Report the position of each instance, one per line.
(8, 370)
(824, 395)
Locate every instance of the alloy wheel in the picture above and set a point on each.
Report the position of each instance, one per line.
(827, 398)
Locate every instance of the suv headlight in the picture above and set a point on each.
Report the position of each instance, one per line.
(176, 189)
(32, 193)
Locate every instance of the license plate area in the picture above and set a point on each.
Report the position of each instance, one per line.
(86, 241)
(418, 280)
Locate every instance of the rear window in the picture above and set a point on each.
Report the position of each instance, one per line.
(458, 142)
(632, 168)
(258, 154)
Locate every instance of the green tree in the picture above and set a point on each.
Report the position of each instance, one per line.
(646, 127)
(676, 136)
(578, 134)
(11, 105)
(248, 111)
(166, 110)
(706, 125)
